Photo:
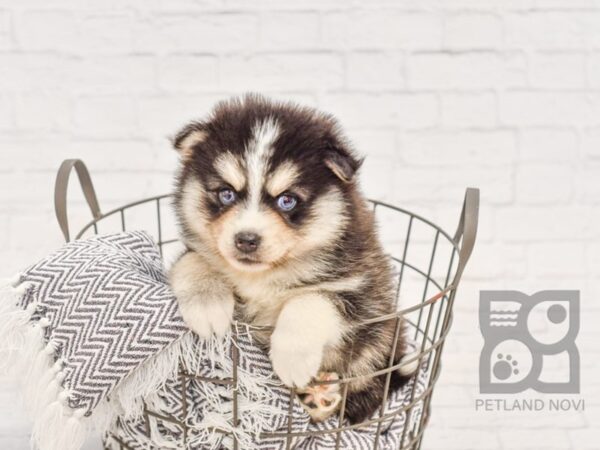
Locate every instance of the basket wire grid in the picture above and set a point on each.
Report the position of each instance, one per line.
(429, 264)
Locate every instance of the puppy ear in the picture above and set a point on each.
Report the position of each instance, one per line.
(191, 135)
(343, 164)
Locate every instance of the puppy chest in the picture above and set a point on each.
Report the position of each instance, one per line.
(259, 305)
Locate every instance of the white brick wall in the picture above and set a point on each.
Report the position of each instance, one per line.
(500, 94)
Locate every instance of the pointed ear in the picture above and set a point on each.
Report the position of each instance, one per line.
(191, 135)
(342, 163)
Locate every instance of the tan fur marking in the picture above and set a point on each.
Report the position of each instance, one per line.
(282, 179)
(185, 147)
(193, 193)
(277, 238)
(230, 169)
(327, 222)
(337, 171)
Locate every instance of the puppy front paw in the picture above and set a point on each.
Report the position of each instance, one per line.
(321, 401)
(296, 360)
(207, 317)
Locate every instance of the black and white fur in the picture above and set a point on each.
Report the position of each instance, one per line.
(314, 273)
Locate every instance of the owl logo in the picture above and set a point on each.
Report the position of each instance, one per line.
(529, 342)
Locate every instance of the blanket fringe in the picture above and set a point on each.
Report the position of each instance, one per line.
(29, 352)
(26, 354)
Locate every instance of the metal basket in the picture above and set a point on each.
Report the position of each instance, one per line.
(429, 262)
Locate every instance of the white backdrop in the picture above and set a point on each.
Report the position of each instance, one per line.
(439, 95)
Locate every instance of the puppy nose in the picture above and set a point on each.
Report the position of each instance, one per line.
(247, 242)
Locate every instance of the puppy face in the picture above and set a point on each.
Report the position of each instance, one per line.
(263, 184)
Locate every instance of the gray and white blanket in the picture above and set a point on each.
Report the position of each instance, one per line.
(94, 334)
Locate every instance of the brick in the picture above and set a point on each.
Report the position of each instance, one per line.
(188, 73)
(118, 155)
(457, 148)
(192, 5)
(550, 108)
(472, 70)
(556, 179)
(6, 112)
(4, 228)
(590, 142)
(161, 116)
(416, 184)
(289, 30)
(377, 176)
(32, 188)
(27, 233)
(463, 110)
(32, 111)
(558, 259)
(558, 70)
(207, 32)
(447, 439)
(113, 74)
(106, 116)
(273, 72)
(408, 111)
(123, 31)
(547, 145)
(303, 4)
(549, 439)
(586, 183)
(485, 261)
(34, 33)
(31, 71)
(472, 30)
(6, 41)
(528, 224)
(593, 70)
(584, 439)
(553, 29)
(382, 29)
(72, 32)
(23, 151)
(123, 187)
(374, 71)
(374, 143)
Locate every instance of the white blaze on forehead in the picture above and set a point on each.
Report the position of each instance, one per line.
(258, 152)
(230, 169)
(282, 178)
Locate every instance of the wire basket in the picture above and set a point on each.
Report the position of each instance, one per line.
(429, 264)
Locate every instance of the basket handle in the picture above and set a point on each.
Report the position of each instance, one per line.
(60, 192)
(466, 231)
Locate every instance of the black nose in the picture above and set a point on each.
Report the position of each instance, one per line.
(247, 242)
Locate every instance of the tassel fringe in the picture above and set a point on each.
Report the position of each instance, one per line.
(25, 351)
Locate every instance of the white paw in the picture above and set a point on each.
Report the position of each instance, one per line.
(207, 317)
(296, 360)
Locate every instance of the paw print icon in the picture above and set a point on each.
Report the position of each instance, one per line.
(529, 342)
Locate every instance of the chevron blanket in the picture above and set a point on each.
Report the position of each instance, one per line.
(95, 337)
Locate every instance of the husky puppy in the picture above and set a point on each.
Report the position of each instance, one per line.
(277, 230)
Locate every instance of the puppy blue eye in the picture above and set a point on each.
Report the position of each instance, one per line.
(227, 196)
(286, 202)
